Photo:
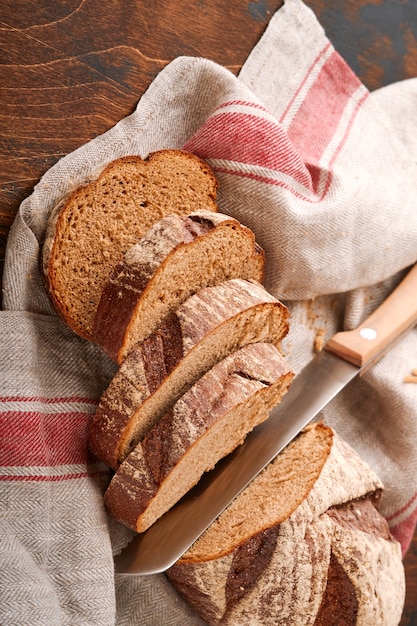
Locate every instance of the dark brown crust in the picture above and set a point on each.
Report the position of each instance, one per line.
(104, 443)
(249, 561)
(163, 347)
(362, 515)
(117, 303)
(157, 451)
(339, 606)
(152, 353)
(159, 354)
(119, 498)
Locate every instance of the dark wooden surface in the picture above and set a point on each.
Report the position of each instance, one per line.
(70, 70)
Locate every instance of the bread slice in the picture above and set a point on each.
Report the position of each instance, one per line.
(89, 231)
(205, 329)
(178, 256)
(209, 421)
(302, 544)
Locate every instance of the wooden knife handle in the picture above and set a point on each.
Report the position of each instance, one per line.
(388, 322)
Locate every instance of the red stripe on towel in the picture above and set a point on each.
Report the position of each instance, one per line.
(251, 140)
(404, 531)
(319, 115)
(300, 146)
(42, 439)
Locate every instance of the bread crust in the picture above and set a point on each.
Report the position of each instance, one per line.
(207, 423)
(178, 256)
(89, 231)
(330, 559)
(205, 329)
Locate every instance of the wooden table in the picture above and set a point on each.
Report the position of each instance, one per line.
(70, 70)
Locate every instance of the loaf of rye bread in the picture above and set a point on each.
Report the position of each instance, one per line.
(90, 230)
(303, 544)
(208, 422)
(205, 329)
(177, 256)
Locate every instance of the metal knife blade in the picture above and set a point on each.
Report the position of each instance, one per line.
(344, 357)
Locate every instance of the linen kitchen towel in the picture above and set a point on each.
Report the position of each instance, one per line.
(324, 172)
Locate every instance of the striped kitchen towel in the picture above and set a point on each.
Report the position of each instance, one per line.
(324, 172)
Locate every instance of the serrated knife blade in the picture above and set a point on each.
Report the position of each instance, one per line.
(345, 356)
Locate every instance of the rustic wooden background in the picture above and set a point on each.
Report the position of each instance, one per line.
(70, 70)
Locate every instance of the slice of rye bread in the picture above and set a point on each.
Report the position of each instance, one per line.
(303, 544)
(178, 256)
(206, 328)
(208, 422)
(90, 230)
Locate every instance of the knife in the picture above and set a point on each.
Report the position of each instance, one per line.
(344, 356)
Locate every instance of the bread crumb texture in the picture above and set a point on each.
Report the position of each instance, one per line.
(89, 232)
(412, 377)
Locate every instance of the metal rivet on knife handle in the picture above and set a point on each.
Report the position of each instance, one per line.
(396, 315)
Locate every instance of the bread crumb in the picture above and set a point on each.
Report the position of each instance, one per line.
(311, 314)
(313, 317)
(411, 378)
(319, 339)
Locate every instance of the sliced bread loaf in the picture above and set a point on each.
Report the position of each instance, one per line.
(89, 231)
(209, 421)
(205, 329)
(303, 544)
(178, 256)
